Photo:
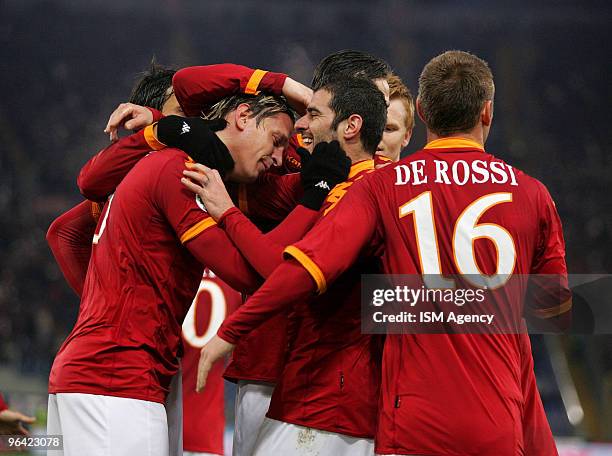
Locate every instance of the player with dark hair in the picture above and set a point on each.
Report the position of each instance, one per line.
(154, 89)
(441, 394)
(349, 62)
(326, 337)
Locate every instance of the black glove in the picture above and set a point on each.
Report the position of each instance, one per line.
(321, 171)
(197, 137)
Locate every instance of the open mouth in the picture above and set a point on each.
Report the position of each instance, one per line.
(307, 139)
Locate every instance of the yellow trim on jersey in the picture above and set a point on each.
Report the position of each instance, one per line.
(382, 157)
(300, 141)
(553, 311)
(150, 138)
(360, 166)
(454, 143)
(254, 80)
(197, 229)
(310, 266)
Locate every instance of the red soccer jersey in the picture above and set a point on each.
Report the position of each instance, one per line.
(139, 286)
(450, 209)
(204, 413)
(331, 377)
(260, 355)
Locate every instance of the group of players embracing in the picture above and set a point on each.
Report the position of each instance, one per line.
(288, 194)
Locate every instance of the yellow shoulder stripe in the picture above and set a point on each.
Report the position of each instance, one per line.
(254, 80)
(197, 229)
(151, 139)
(310, 266)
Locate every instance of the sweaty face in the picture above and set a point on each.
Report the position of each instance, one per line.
(316, 125)
(172, 107)
(261, 146)
(396, 135)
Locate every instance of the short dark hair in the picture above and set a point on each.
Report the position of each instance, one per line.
(152, 88)
(453, 88)
(349, 63)
(260, 106)
(359, 96)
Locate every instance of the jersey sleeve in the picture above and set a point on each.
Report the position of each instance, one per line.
(198, 87)
(69, 238)
(101, 175)
(199, 232)
(265, 251)
(335, 242)
(272, 197)
(550, 295)
(273, 296)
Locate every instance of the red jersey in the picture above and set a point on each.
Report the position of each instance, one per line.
(139, 286)
(250, 361)
(331, 377)
(204, 413)
(448, 393)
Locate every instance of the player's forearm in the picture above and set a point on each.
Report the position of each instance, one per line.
(289, 283)
(69, 238)
(198, 87)
(265, 251)
(217, 252)
(104, 172)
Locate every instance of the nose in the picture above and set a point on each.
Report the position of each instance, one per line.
(302, 123)
(277, 156)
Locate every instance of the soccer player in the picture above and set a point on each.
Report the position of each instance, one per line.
(111, 376)
(400, 120)
(449, 209)
(69, 238)
(330, 382)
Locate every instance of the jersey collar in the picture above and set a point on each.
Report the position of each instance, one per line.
(360, 166)
(454, 143)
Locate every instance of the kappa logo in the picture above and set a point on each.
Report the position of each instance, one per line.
(322, 184)
(186, 128)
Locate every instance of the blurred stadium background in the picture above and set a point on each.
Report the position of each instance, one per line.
(66, 64)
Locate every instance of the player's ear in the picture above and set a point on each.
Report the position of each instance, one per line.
(241, 116)
(486, 116)
(407, 137)
(352, 127)
(419, 110)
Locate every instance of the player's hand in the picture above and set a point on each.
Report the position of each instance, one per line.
(321, 171)
(213, 351)
(11, 422)
(208, 184)
(197, 137)
(297, 94)
(129, 116)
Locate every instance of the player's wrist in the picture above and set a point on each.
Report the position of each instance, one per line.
(228, 213)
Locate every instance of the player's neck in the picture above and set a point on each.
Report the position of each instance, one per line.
(354, 151)
(475, 135)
